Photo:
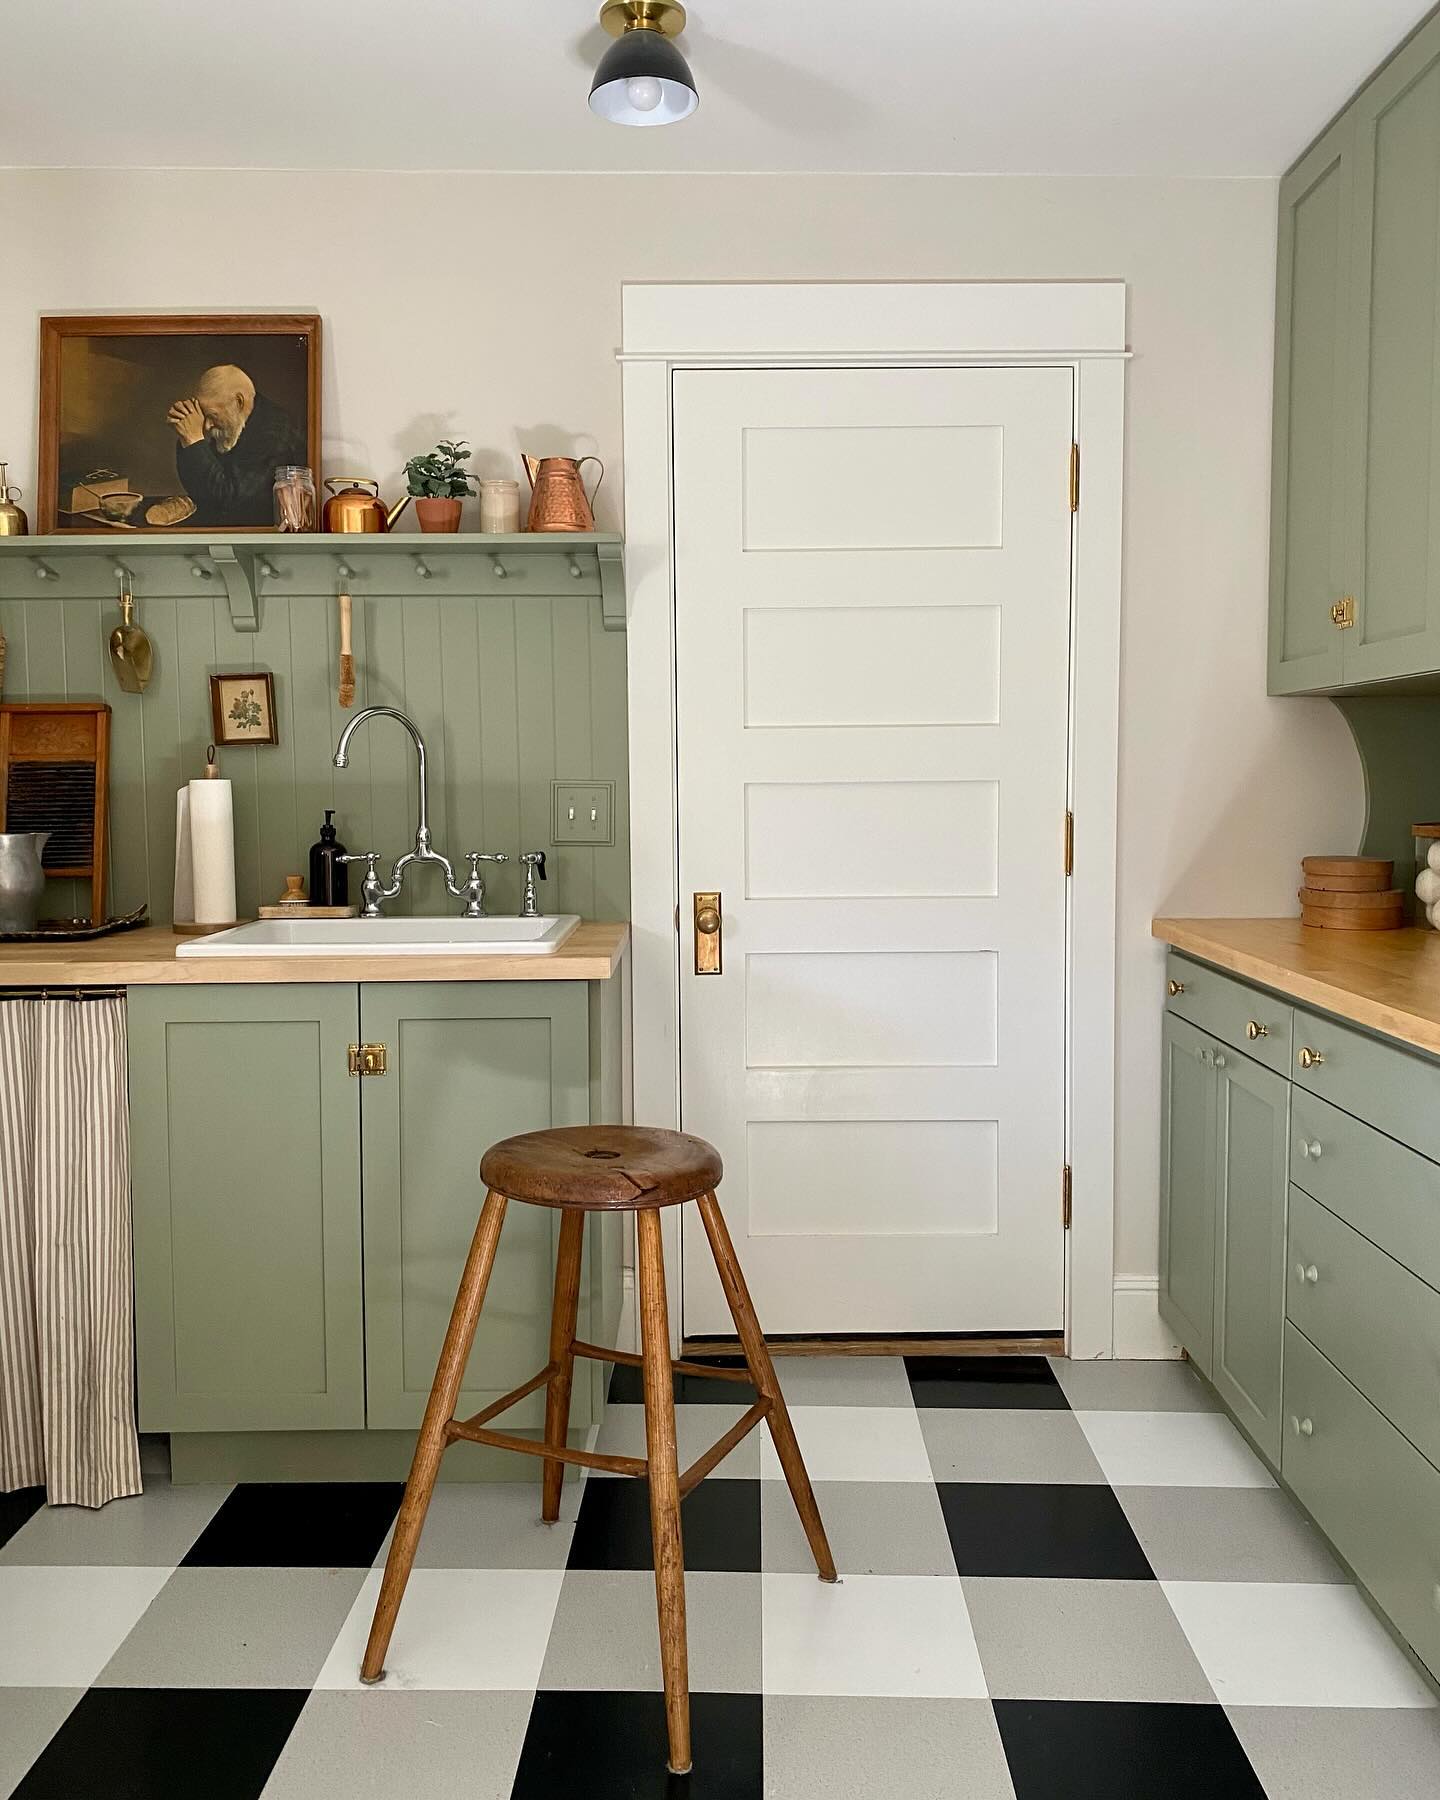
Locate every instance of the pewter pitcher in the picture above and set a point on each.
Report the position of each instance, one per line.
(22, 878)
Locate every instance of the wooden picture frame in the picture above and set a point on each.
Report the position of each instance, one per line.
(122, 399)
(242, 709)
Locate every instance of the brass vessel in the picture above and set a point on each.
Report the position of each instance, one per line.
(355, 506)
(558, 501)
(13, 522)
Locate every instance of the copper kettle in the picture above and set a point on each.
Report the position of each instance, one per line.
(355, 505)
(558, 501)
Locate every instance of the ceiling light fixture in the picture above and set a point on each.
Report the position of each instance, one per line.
(643, 79)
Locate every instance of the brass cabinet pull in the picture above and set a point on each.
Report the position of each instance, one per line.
(709, 935)
(1173, 987)
(1310, 1059)
(1254, 1029)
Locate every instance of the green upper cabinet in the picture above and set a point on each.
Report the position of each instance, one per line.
(1357, 392)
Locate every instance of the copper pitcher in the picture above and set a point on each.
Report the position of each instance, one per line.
(558, 501)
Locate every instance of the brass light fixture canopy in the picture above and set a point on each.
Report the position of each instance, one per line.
(642, 79)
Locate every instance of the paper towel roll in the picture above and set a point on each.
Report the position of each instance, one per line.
(184, 908)
(212, 852)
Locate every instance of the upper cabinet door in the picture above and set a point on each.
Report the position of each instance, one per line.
(1308, 558)
(1393, 527)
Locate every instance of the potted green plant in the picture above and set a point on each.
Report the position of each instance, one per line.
(439, 484)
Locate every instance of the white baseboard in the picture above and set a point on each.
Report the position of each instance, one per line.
(1139, 1330)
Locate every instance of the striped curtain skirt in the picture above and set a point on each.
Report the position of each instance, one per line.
(67, 1382)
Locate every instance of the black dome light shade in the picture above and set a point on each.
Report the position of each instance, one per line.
(642, 79)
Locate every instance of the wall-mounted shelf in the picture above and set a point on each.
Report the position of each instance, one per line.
(75, 566)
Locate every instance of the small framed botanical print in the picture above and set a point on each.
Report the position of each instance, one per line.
(242, 709)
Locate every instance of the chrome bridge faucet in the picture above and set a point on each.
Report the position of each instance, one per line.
(372, 889)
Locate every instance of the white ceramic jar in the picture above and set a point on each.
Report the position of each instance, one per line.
(499, 506)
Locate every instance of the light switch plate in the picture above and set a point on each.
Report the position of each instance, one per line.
(584, 812)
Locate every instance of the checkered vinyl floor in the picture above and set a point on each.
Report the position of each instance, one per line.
(1059, 1582)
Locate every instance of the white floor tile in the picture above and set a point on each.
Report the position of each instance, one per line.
(1172, 1449)
(458, 1628)
(60, 1626)
(1293, 1644)
(870, 1634)
(853, 1443)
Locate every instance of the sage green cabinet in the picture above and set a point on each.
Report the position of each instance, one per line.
(1357, 391)
(245, 1168)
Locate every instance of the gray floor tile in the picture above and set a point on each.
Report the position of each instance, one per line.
(696, 1429)
(1081, 1640)
(493, 1525)
(605, 1635)
(29, 1718)
(149, 1530)
(238, 1628)
(843, 1380)
(1226, 1534)
(375, 1746)
(1133, 1386)
(1341, 1753)
(991, 1443)
(874, 1528)
(818, 1748)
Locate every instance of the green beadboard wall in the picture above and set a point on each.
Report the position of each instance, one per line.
(510, 694)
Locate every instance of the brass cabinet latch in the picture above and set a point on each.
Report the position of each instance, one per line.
(1342, 613)
(367, 1059)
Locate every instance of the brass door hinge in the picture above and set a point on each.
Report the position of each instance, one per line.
(1069, 843)
(1074, 478)
(1342, 613)
(1065, 1188)
(367, 1059)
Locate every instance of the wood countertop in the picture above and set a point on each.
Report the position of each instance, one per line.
(1387, 981)
(147, 957)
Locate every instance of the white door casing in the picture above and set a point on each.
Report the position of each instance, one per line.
(872, 578)
(672, 327)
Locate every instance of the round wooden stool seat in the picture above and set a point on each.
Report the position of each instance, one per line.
(600, 1168)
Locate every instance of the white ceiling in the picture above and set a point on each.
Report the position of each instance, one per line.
(1126, 87)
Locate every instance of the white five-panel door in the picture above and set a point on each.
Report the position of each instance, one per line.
(872, 635)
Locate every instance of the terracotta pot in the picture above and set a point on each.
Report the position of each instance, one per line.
(438, 515)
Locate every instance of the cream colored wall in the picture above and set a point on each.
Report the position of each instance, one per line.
(489, 306)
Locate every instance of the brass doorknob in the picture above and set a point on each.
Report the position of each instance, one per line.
(1173, 987)
(1310, 1059)
(1254, 1029)
(707, 920)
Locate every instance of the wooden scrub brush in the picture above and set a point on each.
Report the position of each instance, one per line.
(346, 694)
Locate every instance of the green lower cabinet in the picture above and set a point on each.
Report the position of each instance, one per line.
(245, 1166)
(1187, 1187)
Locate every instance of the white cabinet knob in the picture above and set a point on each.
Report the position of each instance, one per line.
(1307, 1272)
(1310, 1149)
(1302, 1427)
(1219, 1059)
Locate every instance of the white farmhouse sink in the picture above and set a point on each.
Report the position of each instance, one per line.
(387, 937)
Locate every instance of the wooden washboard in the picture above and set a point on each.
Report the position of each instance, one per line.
(55, 776)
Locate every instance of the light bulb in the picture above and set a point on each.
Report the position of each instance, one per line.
(644, 92)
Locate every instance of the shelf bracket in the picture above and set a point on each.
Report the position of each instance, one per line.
(612, 586)
(239, 586)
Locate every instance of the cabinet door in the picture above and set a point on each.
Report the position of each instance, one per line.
(1308, 558)
(1187, 1187)
(1394, 433)
(1251, 1185)
(469, 1063)
(245, 1165)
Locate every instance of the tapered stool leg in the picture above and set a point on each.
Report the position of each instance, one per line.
(562, 1354)
(664, 1477)
(762, 1373)
(439, 1410)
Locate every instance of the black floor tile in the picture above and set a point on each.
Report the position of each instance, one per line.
(16, 1508)
(1014, 1381)
(719, 1522)
(298, 1525)
(613, 1747)
(1070, 1531)
(1122, 1750)
(165, 1744)
(626, 1388)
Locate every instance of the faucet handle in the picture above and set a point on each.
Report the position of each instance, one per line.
(372, 889)
(473, 890)
(536, 860)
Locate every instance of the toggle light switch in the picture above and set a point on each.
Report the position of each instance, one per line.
(584, 812)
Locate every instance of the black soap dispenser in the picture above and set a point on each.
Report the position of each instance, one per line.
(329, 877)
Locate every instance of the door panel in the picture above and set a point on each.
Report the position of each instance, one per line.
(1187, 1187)
(873, 572)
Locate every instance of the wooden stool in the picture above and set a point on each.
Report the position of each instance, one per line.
(602, 1168)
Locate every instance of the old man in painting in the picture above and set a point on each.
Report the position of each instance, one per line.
(232, 440)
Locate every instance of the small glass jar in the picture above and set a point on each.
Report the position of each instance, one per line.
(294, 498)
(499, 506)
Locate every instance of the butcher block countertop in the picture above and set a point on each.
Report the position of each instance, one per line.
(147, 957)
(1387, 981)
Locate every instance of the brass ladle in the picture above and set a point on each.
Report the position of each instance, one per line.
(132, 656)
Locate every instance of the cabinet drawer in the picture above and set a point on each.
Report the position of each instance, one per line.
(1371, 1492)
(1387, 1192)
(1376, 1323)
(1252, 1021)
(1378, 1082)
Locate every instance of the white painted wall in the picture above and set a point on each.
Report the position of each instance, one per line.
(490, 306)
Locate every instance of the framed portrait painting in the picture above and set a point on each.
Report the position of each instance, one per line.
(174, 422)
